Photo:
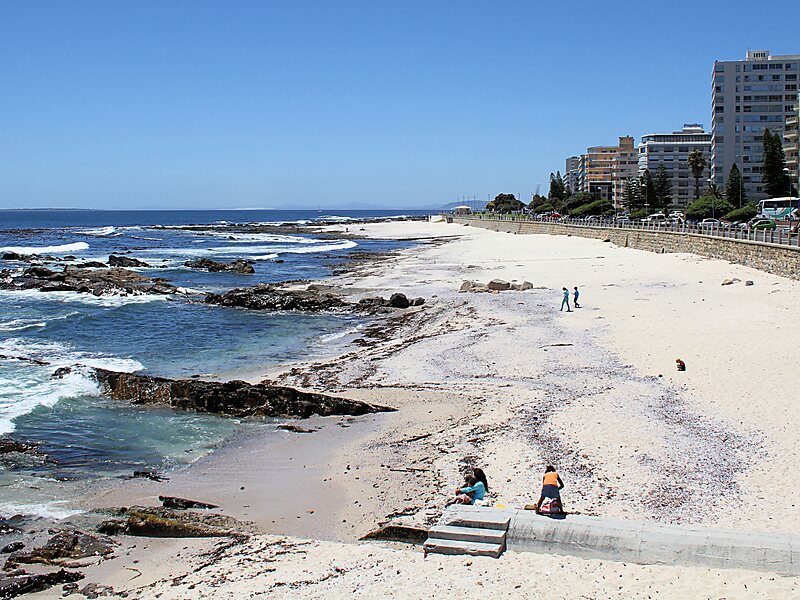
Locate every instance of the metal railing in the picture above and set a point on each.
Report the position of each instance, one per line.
(780, 236)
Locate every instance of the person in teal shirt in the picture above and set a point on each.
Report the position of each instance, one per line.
(474, 490)
(565, 301)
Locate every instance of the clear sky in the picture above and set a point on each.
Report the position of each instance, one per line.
(194, 104)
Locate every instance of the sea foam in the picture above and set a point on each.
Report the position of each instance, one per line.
(62, 249)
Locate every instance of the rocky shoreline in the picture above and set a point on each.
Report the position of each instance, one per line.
(232, 398)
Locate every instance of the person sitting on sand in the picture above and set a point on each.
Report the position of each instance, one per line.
(551, 486)
(474, 490)
(481, 476)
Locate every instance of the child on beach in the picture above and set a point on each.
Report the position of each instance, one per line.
(575, 300)
(472, 491)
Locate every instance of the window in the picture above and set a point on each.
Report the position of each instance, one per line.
(791, 77)
(776, 66)
(776, 77)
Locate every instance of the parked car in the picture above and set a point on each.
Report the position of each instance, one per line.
(768, 224)
(657, 218)
(710, 223)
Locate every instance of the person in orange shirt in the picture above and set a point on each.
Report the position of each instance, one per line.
(551, 486)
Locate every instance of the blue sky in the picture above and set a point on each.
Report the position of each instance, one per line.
(193, 104)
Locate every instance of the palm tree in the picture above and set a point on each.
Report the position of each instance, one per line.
(697, 163)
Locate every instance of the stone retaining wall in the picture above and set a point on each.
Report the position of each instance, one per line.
(771, 258)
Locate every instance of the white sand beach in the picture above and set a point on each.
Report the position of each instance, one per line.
(507, 382)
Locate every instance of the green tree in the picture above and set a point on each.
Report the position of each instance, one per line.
(713, 190)
(734, 191)
(707, 207)
(537, 201)
(697, 163)
(662, 185)
(776, 183)
(557, 191)
(504, 203)
(632, 195)
(648, 190)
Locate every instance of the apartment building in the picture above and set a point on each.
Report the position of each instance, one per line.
(624, 166)
(572, 174)
(672, 150)
(748, 96)
(792, 145)
(600, 165)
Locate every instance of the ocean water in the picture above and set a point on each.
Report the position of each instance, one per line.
(88, 436)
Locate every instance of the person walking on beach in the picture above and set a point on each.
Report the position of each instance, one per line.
(565, 301)
(575, 300)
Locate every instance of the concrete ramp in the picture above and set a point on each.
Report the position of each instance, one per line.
(652, 543)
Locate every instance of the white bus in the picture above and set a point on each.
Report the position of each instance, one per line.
(777, 208)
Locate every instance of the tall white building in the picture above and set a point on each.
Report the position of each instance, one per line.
(672, 150)
(572, 173)
(749, 96)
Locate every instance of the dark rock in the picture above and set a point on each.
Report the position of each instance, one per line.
(125, 261)
(296, 429)
(66, 546)
(11, 525)
(42, 272)
(235, 398)
(92, 264)
(166, 522)
(499, 285)
(418, 302)
(27, 583)
(12, 547)
(237, 266)
(373, 301)
(270, 297)
(399, 301)
(97, 282)
(8, 446)
(96, 590)
(29, 258)
(183, 503)
(749, 282)
(151, 475)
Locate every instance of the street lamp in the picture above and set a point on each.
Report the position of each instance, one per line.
(786, 174)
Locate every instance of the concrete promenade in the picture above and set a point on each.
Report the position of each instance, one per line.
(648, 543)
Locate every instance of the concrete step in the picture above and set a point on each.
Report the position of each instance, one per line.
(485, 518)
(440, 546)
(468, 534)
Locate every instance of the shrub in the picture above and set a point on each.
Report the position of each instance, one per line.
(598, 207)
(742, 214)
(707, 207)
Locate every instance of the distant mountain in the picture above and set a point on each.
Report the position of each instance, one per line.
(473, 204)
